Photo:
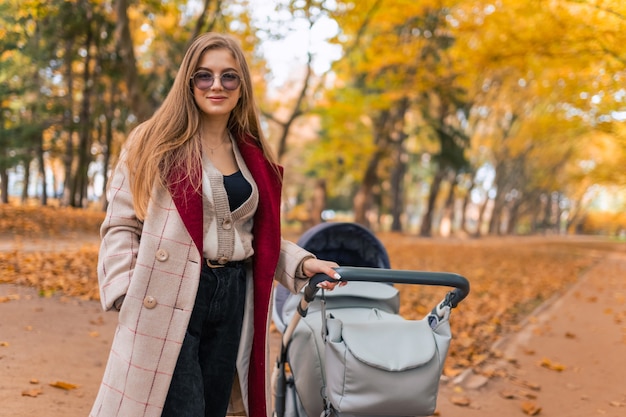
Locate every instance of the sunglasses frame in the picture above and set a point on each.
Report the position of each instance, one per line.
(193, 82)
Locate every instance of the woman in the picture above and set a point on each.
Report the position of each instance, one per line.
(190, 246)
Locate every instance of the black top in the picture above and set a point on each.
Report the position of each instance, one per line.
(237, 188)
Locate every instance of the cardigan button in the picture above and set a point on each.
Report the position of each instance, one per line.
(149, 302)
(227, 224)
(162, 255)
(222, 260)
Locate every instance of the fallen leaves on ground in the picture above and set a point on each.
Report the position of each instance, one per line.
(461, 400)
(524, 383)
(554, 366)
(511, 395)
(530, 408)
(509, 277)
(69, 272)
(49, 221)
(34, 392)
(63, 385)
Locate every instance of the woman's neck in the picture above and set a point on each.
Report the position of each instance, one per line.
(213, 134)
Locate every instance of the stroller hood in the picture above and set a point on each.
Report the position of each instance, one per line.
(348, 244)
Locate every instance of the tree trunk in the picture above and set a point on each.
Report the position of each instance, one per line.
(24, 198)
(513, 220)
(81, 178)
(397, 189)
(68, 121)
(318, 202)
(427, 220)
(296, 111)
(447, 218)
(496, 215)
(547, 215)
(466, 203)
(42, 170)
(108, 135)
(363, 199)
(481, 217)
(205, 22)
(140, 106)
(4, 173)
(399, 169)
(4, 186)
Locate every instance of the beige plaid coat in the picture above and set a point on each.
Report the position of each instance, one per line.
(155, 266)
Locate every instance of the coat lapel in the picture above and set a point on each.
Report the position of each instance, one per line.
(188, 202)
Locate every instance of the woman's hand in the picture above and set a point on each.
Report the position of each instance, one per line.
(314, 266)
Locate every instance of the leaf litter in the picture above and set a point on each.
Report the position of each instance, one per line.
(508, 281)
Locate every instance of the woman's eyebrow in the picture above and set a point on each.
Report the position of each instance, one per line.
(223, 71)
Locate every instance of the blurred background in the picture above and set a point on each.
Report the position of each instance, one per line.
(431, 117)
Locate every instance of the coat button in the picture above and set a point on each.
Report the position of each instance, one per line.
(162, 255)
(227, 224)
(149, 302)
(223, 260)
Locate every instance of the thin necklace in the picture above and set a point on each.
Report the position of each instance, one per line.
(218, 146)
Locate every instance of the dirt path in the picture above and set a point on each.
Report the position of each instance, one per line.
(45, 340)
(583, 333)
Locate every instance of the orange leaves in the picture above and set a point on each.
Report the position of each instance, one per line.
(527, 404)
(10, 297)
(71, 272)
(48, 221)
(507, 282)
(519, 394)
(451, 372)
(461, 400)
(37, 391)
(69, 268)
(554, 366)
(533, 386)
(530, 408)
(34, 392)
(63, 385)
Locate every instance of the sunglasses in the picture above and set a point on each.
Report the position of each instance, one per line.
(203, 80)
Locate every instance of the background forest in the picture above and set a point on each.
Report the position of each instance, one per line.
(437, 117)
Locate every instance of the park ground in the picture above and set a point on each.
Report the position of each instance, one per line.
(563, 353)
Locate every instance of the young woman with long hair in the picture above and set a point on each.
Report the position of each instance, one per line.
(191, 244)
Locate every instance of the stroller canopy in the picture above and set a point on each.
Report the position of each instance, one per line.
(348, 244)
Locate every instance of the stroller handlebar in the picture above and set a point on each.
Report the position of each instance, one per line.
(394, 276)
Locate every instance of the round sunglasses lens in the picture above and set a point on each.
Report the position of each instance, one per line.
(230, 81)
(203, 80)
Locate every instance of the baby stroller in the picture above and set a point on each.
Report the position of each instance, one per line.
(347, 352)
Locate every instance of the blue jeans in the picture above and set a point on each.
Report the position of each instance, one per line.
(204, 374)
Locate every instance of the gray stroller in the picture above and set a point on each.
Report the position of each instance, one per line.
(347, 352)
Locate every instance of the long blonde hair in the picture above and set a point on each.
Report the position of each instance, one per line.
(169, 140)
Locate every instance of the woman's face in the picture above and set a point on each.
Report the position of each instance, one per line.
(217, 83)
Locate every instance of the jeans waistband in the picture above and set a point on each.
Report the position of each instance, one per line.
(219, 263)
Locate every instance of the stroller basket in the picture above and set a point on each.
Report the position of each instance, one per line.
(357, 356)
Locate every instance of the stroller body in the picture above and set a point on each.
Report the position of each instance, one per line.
(333, 361)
